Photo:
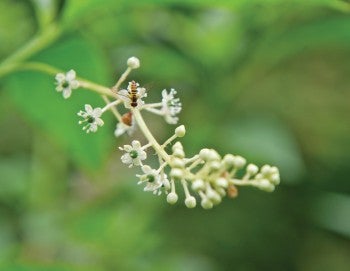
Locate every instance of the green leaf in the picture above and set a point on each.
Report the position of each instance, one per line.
(267, 141)
(40, 104)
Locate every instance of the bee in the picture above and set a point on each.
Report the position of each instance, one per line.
(132, 94)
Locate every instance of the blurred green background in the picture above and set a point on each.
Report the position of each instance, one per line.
(268, 80)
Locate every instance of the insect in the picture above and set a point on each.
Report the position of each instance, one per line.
(133, 93)
(131, 96)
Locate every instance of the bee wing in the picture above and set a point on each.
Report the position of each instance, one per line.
(124, 95)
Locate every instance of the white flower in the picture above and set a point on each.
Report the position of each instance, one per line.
(91, 117)
(127, 125)
(66, 83)
(170, 106)
(134, 154)
(154, 181)
(132, 96)
(122, 128)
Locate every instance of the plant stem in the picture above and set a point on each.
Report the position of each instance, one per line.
(40, 41)
(143, 127)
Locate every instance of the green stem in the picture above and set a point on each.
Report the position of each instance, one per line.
(40, 41)
(143, 127)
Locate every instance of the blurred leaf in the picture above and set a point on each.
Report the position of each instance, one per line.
(13, 181)
(16, 25)
(36, 97)
(275, 48)
(266, 141)
(45, 11)
(332, 212)
(45, 267)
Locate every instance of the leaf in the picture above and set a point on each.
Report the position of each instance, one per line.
(267, 141)
(40, 104)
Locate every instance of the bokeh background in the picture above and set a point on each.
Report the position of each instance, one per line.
(269, 80)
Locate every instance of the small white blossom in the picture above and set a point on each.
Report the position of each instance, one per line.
(126, 95)
(123, 128)
(134, 154)
(127, 125)
(154, 181)
(170, 106)
(91, 117)
(66, 83)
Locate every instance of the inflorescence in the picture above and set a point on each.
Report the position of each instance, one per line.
(208, 175)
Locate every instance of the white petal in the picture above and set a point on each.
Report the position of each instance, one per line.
(59, 88)
(60, 77)
(127, 148)
(66, 93)
(70, 75)
(97, 112)
(93, 127)
(142, 155)
(126, 159)
(136, 144)
(99, 121)
(74, 84)
(88, 109)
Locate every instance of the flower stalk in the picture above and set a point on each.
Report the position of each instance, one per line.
(210, 176)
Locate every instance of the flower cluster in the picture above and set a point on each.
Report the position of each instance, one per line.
(206, 177)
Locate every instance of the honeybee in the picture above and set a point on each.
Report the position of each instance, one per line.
(132, 95)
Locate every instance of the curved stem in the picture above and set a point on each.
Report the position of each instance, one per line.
(143, 127)
(40, 41)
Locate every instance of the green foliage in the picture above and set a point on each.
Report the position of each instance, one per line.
(264, 79)
(50, 112)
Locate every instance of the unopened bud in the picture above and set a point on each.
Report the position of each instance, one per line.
(180, 131)
(133, 62)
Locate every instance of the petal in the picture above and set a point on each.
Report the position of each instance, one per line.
(88, 109)
(74, 84)
(97, 112)
(59, 88)
(136, 144)
(142, 155)
(93, 127)
(70, 75)
(66, 93)
(60, 77)
(99, 121)
(126, 159)
(127, 148)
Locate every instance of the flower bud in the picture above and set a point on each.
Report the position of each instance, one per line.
(228, 160)
(265, 185)
(176, 173)
(252, 169)
(133, 62)
(266, 170)
(214, 165)
(198, 185)
(190, 202)
(177, 146)
(204, 154)
(178, 163)
(206, 203)
(179, 153)
(275, 179)
(239, 162)
(180, 131)
(214, 196)
(172, 198)
(222, 182)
